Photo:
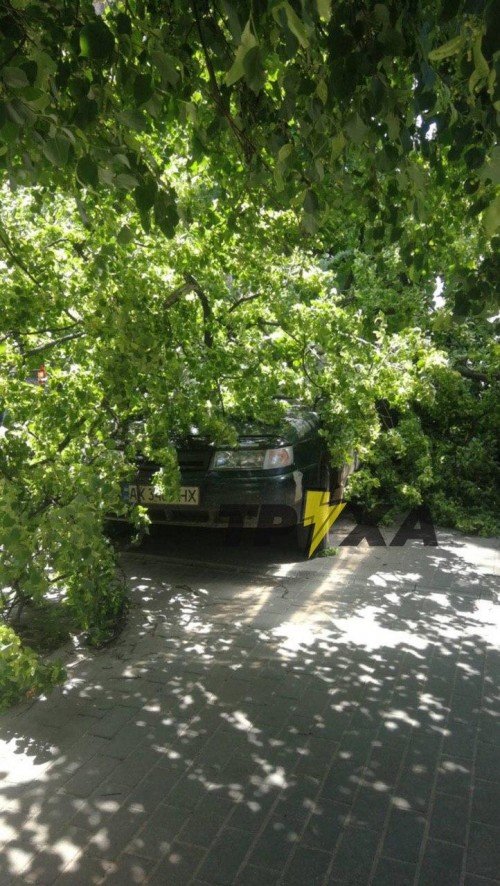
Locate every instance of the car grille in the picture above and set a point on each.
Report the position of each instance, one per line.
(194, 459)
(189, 460)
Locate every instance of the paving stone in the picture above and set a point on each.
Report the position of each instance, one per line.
(471, 880)
(486, 803)
(257, 876)
(85, 870)
(60, 808)
(332, 722)
(487, 764)
(190, 789)
(275, 844)
(404, 835)
(343, 780)
(316, 756)
(99, 808)
(296, 802)
(177, 867)
(357, 744)
(133, 769)
(153, 789)
(110, 840)
(202, 825)
(454, 776)
(306, 866)
(90, 775)
(250, 813)
(370, 808)
(125, 741)
(483, 851)
(449, 818)
(442, 863)
(225, 856)
(390, 872)
(112, 722)
(461, 739)
(55, 856)
(220, 757)
(355, 855)
(326, 824)
(385, 759)
(415, 784)
(156, 836)
(129, 869)
(489, 729)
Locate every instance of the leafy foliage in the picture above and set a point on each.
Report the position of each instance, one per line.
(22, 675)
(208, 207)
(303, 93)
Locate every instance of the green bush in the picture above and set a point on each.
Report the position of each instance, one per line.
(22, 674)
(96, 596)
(440, 451)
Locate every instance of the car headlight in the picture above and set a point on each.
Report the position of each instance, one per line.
(252, 459)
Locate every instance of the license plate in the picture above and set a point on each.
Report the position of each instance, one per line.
(146, 495)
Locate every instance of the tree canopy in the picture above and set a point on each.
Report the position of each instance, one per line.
(209, 206)
(316, 101)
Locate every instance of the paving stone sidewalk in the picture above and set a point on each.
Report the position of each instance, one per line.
(298, 723)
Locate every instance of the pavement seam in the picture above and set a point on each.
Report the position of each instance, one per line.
(427, 826)
(473, 775)
(379, 852)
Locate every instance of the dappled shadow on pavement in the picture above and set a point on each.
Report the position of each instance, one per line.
(329, 723)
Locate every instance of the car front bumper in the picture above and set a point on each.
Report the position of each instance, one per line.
(234, 500)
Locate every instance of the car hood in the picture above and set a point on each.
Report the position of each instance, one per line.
(295, 426)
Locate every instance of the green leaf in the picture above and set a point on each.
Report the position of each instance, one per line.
(284, 152)
(86, 112)
(322, 91)
(166, 66)
(143, 88)
(324, 9)
(237, 69)
(451, 47)
(9, 132)
(133, 119)
(125, 235)
(56, 150)
(37, 98)
(338, 145)
(491, 169)
(14, 77)
(296, 26)
(126, 181)
(311, 204)
(356, 129)
(165, 213)
(86, 171)
(232, 20)
(123, 23)
(491, 217)
(254, 69)
(97, 41)
(145, 194)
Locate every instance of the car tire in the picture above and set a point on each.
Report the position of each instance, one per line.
(303, 533)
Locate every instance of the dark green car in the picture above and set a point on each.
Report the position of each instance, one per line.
(259, 483)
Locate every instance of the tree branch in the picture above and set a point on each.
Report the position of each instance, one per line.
(15, 258)
(207, 310)
(242, 301)
(246, 145)
(54, 343)
(475, 375)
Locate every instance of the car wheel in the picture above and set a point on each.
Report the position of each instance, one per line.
(303, 533)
